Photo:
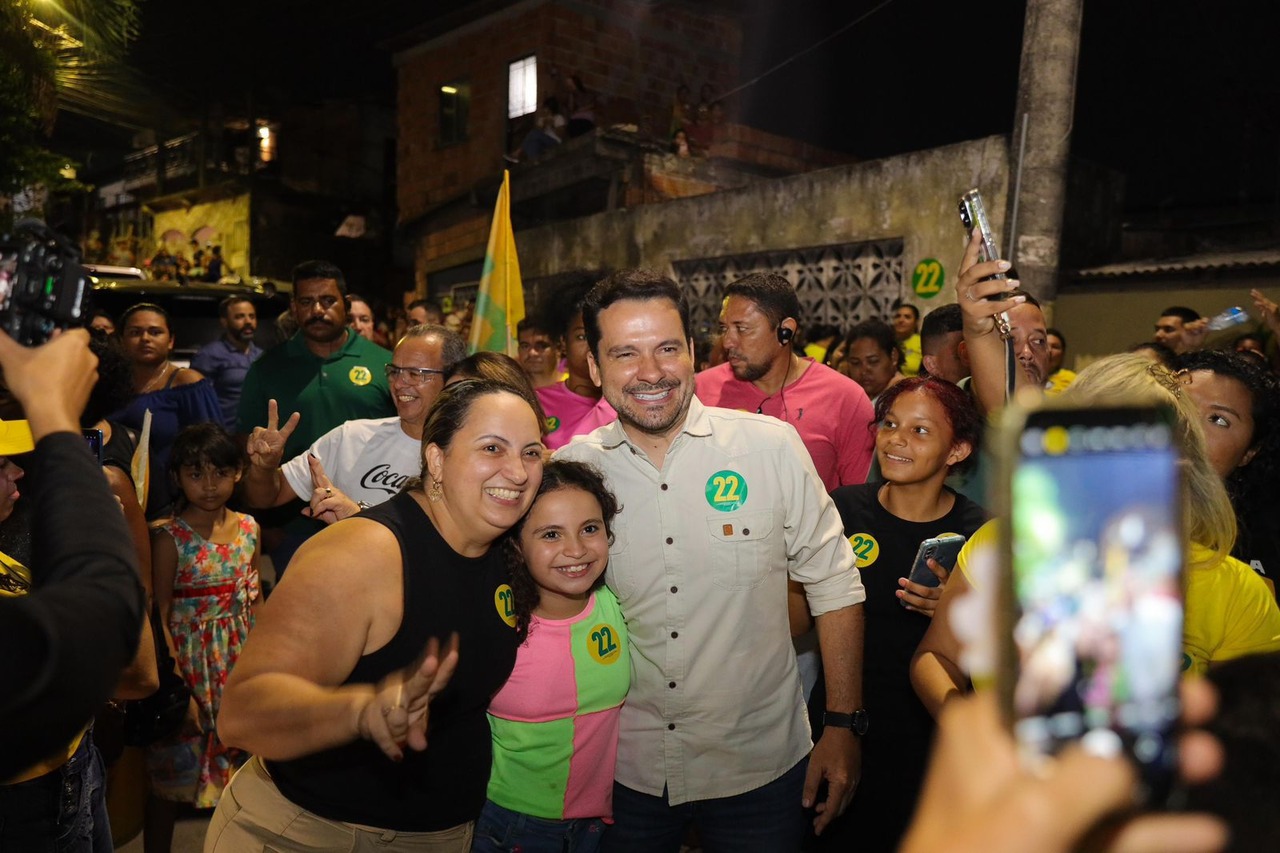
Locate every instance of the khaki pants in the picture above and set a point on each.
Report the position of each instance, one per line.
(254, 816)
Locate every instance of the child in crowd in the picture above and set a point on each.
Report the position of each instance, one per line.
(205, 569)
(556, 719)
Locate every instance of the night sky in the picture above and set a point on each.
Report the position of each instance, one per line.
(1180, 96)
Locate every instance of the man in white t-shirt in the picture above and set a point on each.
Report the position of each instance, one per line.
(362, 462)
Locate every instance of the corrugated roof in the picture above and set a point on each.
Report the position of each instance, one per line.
(1253, 259)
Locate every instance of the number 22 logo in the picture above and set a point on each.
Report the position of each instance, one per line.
(726, 490)
(504, 601)
(865, 548)
(603, 646)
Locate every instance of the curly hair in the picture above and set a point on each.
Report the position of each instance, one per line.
(557, 475)
(962, 413)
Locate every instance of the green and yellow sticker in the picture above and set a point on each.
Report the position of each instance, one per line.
(360, 375)
(726, 490)
(504, 600)
(602, 644)
(865, 548)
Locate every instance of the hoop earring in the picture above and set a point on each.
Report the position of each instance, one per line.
(436, 491)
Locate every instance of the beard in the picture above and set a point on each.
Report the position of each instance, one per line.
(650, 420)
(748, 371)
(1034, 371)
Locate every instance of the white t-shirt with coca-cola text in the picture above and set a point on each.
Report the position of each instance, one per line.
(369, 460)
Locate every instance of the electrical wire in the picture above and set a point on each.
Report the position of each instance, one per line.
(806, 51)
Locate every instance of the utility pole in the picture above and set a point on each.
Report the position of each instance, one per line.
(1042, 141)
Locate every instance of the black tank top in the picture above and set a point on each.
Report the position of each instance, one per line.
(445, 785)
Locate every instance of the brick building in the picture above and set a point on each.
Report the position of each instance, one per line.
(471, 84)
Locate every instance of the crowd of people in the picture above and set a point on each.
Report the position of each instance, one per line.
(591, 597)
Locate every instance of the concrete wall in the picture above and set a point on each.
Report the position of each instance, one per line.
(911, 196)
(1104, 316)
(229, 219)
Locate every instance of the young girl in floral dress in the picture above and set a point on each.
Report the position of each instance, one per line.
(205, 566)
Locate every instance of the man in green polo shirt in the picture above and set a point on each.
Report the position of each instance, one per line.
(326, 373)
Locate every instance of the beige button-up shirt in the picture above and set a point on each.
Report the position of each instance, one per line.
(702, 552)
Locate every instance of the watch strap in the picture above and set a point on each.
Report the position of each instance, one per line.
(855, 722)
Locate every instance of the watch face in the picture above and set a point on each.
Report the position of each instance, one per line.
(860, 721)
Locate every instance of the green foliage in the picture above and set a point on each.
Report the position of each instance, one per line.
(48, 49)
(27, 71)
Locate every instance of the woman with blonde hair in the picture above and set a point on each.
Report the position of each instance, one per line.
(1229, 610)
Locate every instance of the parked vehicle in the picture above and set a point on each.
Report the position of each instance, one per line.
(192, 307)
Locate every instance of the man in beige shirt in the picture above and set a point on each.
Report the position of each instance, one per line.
(720, 508)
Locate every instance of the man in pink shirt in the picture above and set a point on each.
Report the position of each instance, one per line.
(763, 374)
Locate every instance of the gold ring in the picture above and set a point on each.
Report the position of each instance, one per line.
(328, 492)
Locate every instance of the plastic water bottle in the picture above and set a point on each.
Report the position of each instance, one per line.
(1234, 316)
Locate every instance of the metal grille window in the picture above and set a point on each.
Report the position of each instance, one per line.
(840, 284)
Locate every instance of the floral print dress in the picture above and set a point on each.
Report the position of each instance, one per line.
(213, 587)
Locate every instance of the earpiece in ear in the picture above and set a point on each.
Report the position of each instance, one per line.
(785, 334)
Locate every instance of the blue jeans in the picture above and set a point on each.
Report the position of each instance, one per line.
(766, 820)
(501, 830)
(64, 811)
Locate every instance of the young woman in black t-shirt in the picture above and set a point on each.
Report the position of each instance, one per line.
(925, 428)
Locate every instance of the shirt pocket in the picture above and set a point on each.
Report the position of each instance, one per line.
(740, 548)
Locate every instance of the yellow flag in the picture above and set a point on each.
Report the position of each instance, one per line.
(500, 303)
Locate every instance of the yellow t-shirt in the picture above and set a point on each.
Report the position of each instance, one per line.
(1229, 610)
(1060, 381)
(910, 355)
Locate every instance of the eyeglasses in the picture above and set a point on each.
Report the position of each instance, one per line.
(306, 303)
(412, 375)
(535, 346)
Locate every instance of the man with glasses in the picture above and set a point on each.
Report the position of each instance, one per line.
(362, 462)
(326, 373)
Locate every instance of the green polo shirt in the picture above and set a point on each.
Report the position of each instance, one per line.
(351, 383)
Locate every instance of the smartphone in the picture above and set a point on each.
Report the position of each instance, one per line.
(973, 215)
(944, 549)
(94, 438)
(1091, 587)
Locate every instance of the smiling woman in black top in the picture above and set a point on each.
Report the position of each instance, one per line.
(332, 684)
(925, 428)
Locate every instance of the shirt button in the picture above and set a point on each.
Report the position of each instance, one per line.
(671, 684)
(746, 532)
(675, 634)
(671, 727)
(670, 540)
(675, 589)
(664, 487)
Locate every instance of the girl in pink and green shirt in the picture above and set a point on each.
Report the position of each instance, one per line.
(555, 722)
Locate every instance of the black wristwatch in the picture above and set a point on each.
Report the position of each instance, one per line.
(856, 722)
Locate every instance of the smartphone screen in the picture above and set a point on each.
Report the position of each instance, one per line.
(93, 437)
(1096, 564)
